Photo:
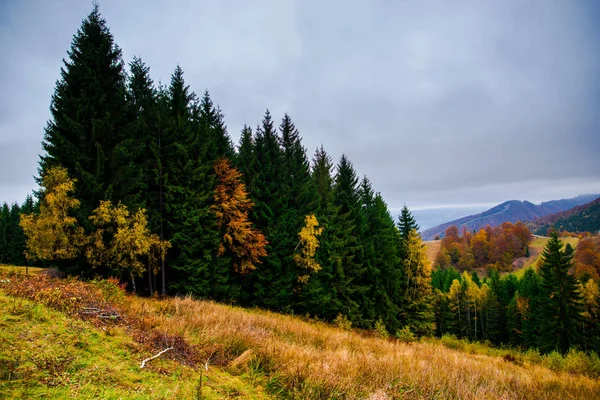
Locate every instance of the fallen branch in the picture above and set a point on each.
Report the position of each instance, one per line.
(99, 313)
(153, 357)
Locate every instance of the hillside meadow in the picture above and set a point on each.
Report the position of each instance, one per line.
(67, 338)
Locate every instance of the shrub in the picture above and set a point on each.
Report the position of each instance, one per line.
(381, 330)
(554, 361)
(452, 342)
(405, 335)
(342, 322)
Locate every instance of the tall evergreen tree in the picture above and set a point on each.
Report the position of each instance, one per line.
(347, 255)
(299, 200)
(322, 175)
(189, 152)
(379, 240)
(272, 288)
(136, 180)
(88, 115)
(245, 155)
(213, 130)
(319, 296)
(140, 179)
(529, 295)
(406, 224)
(561, 303)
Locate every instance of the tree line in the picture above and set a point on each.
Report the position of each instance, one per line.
(257, 224)
(12, 237)
(548, 309)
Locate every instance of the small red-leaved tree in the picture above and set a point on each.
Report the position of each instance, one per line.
(245, 243)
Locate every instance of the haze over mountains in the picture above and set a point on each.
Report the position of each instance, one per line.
(430, 217)
(509, 211)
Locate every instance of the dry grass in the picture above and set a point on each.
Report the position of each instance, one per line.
(313, 360)
(432, 249)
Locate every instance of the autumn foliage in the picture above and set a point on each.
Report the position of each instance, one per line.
(232, 204)
(497, 246)
(308, 245)
(122, 240)
(54, 234)
(587, 258)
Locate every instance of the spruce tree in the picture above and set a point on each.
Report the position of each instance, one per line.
(244, 159)
(371, 261)
(406, 223)
(272, 287)
(299, 200)
(319, 296)
(560, 303)
(140, 183)
(190, 182)
(529, 293)
(88, 115)
(213, 130)
(136, 180)
(348, 256)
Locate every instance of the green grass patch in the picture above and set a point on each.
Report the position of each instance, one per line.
(537, 246)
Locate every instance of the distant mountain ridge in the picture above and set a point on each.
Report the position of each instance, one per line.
(584, 218)
(510, 211)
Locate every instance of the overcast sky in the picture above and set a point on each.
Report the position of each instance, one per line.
(439, 103)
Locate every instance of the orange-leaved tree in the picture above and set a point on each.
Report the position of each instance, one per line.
(122, 240)
(245, 243)
(307, 246)
(54, 234)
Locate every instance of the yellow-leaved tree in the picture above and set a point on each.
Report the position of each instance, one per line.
(122, 241)
(418, 295)
(245, 243)
(53, 234)
(304, 253)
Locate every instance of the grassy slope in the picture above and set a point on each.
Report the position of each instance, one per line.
(536, 247)
(46, 354)
(432, 248)
(289, 358)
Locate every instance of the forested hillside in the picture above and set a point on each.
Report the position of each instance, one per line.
(584, 218)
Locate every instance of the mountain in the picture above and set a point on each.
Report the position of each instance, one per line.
(584, 218)
(510, 211)
(430, 217)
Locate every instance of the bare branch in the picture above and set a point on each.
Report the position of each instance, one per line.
(153, 357)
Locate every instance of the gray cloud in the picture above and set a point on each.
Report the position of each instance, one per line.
(439, 103)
